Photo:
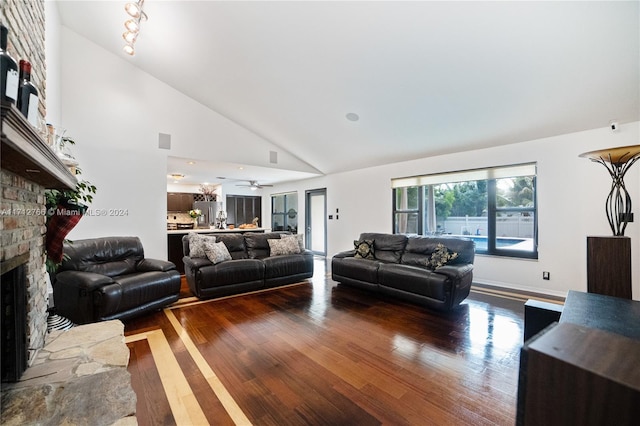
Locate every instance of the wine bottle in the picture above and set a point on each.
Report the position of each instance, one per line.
(8, 70)
(27, 94)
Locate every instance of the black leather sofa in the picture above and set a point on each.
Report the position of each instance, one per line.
(251, 266)
(109, 278)
(399, 268)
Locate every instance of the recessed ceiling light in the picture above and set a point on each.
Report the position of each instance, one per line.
(176, 176)
(240, 168)
(220, 177)
(191, 162)
(352, 116)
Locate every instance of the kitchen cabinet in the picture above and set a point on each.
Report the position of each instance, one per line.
(179, 202)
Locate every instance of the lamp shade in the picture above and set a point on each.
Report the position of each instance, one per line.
(620, 154)
(617, 161)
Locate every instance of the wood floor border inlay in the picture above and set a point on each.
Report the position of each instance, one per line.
(183, 403)
(227, 401)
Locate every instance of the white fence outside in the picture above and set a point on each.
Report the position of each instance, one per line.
(511, 226)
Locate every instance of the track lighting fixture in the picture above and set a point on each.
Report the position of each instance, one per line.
(137, 14)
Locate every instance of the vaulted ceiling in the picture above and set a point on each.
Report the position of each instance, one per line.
(424, 78)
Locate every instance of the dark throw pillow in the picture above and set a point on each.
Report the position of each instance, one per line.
(364, 249)
(440, 257)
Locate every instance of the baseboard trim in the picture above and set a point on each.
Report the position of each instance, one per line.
(516, 294)
(523, 288)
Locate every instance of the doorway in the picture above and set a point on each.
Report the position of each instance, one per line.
(316, 221)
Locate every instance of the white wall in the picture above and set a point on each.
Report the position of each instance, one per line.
(115, 112)
(571, 198)
(53, 59)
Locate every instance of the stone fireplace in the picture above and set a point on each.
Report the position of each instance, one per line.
(73, 377)
(28, 167)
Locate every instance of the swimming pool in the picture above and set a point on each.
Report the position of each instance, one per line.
(501, 242)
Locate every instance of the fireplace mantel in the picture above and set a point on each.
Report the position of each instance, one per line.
(27, 155)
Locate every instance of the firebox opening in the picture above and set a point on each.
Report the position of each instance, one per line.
(13, 317)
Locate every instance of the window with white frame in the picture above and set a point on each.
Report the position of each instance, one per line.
(496, 207)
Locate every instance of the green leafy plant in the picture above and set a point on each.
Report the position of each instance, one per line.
(81, 195)
(76, 199)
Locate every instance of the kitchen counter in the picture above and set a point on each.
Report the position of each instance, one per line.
(214, 231)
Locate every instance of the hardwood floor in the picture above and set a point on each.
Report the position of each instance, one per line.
(320, 353)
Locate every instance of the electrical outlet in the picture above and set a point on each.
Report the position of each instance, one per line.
(546, 275)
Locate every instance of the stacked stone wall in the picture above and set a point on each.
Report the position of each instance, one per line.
(22, 231)
(22, 203)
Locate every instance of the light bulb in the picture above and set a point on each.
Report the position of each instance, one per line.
(129, 37)
(133, 9)
(132, 25)
(128, 49)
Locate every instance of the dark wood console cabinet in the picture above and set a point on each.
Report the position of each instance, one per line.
(584, 370)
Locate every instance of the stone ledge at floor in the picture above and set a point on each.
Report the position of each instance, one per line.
(80, 377)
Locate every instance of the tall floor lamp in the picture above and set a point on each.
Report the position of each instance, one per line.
(609, 258)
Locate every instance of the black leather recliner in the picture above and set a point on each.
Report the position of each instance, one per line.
(109, 278)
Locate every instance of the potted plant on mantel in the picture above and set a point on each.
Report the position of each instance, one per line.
(64, 210)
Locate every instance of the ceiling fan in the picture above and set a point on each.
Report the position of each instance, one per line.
(253, 184)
